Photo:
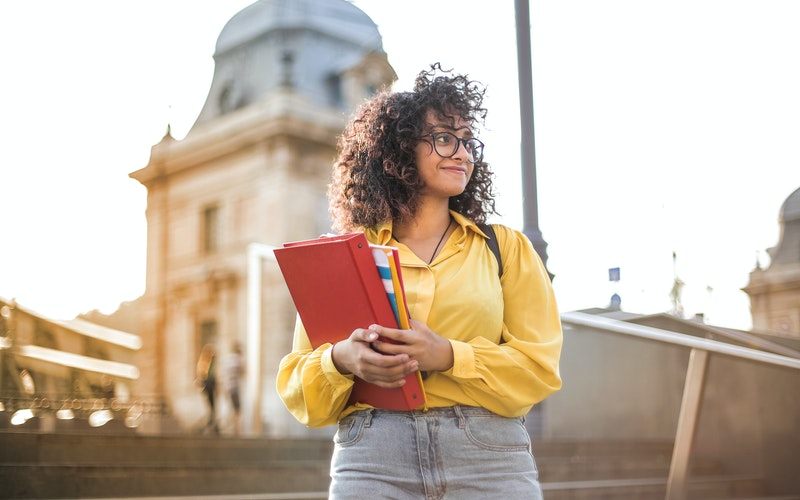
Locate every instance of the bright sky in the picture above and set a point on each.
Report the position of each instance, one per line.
(660, 126)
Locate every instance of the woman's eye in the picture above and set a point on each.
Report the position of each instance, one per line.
(443, 139)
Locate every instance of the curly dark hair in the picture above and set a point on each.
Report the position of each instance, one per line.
(375, 177)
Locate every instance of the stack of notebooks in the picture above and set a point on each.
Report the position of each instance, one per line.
(342, 283)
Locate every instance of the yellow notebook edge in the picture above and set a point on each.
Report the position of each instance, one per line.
(400, 296)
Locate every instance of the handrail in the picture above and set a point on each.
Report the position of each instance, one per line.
(82, 327)
(666, 336)
(694, 385)
(72, 360)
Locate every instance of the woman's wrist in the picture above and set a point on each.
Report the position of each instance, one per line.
(337, 362)
(446, 355)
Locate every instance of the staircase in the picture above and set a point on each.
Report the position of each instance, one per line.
(630, 470)
(37, 465)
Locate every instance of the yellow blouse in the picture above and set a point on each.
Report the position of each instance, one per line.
(506, 339)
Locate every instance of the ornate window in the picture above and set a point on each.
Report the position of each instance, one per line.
(210, 229)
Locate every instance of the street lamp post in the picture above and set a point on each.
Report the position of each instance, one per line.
(528, 146)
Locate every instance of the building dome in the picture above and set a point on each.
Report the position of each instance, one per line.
(302, 45)
(790, 210)
(787, 251)
(337, 18)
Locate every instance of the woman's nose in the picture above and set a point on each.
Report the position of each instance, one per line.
(461, 151)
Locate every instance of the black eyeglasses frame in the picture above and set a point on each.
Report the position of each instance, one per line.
(460, 141)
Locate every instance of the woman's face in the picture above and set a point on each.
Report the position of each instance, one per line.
(443, 177)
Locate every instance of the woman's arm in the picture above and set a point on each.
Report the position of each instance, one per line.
(523, 369)
(309, 384)
(315, 384)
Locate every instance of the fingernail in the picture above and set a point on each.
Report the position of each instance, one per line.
(372, 336)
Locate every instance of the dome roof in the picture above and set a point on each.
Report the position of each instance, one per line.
(790, 210)
(338, 18)
(300, 46)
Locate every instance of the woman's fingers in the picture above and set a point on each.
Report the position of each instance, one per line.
(386, 369)
(347, 353)
(388, 348)
(386, 381)
(375, 367)
(363, 335)
(383, 360)
(390, 385)
(417, 325)
(389, 367)
(391, 333)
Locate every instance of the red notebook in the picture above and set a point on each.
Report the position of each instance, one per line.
(336, 288)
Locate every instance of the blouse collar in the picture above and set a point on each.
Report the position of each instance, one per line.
(383, 232)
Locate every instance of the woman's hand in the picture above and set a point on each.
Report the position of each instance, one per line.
(420, 343)
(355, 355)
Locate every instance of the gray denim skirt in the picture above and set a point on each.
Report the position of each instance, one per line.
(460, 452)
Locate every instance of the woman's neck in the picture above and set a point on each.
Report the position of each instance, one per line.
(430, 220)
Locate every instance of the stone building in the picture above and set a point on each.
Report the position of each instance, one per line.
(775, 291)
(65, 375)
(253, 168)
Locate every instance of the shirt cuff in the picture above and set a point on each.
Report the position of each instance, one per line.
(330, 371)
(463, 360)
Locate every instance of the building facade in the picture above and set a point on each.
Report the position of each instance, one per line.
(775, 291)
(253, 169)
(67, 375)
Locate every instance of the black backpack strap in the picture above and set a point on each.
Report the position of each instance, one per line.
(494, 246)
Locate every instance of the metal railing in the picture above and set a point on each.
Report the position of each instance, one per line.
(693, 386)
(95, 410)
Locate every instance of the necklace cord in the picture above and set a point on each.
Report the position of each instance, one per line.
(449, 223)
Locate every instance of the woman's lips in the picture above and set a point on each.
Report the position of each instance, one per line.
(459, 170)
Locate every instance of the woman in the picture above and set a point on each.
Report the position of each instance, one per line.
(411, 174)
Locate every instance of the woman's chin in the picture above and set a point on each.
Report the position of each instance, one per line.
(447, 191)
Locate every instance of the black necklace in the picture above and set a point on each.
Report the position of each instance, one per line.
(449, 223)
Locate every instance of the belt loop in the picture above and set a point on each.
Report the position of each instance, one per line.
(368, 417)
(462, 421)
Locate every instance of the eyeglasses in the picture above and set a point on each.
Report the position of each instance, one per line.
(446, 145)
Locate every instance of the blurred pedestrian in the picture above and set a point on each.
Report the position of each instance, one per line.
(233, 370)
(207, 380)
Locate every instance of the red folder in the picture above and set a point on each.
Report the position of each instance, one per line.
(336, 288)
